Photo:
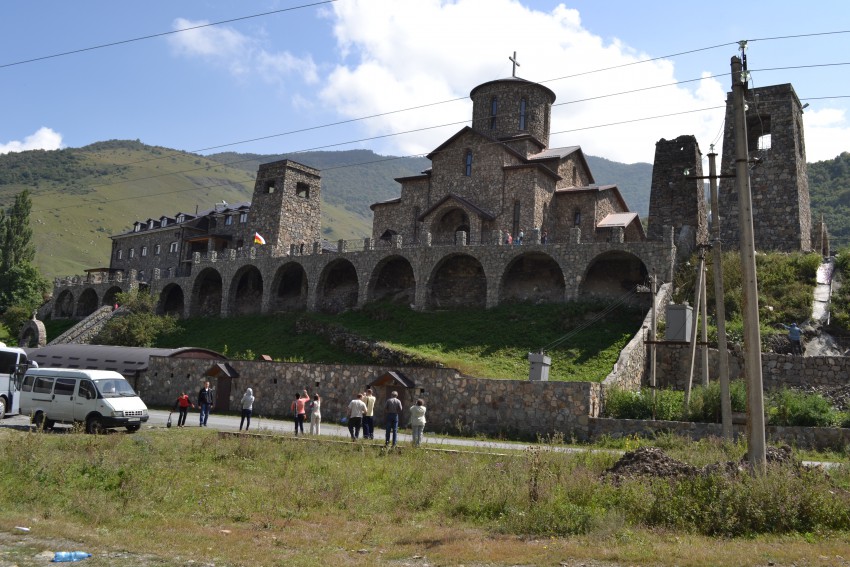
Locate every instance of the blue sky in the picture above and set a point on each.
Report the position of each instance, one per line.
(307, 68)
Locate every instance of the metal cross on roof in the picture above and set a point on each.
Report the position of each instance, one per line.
(515, 62)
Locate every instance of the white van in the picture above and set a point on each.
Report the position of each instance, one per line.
(12, 361)
(101, 399)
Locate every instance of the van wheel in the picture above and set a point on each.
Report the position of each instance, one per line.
(94, 426)
(2, 408)
(40, 423)
(133, 428)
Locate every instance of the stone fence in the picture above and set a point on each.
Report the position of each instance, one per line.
(778, 370)
(456, 403)
(834, 438)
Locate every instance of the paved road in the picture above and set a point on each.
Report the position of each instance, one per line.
(159, 418)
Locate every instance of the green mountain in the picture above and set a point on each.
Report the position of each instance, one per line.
(829, 191)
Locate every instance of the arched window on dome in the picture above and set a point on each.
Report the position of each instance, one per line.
(494, 108)
(468, 165)
(522, 108)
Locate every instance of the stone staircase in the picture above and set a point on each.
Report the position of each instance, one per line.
(87, 329)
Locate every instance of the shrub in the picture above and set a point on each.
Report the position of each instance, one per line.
(705, 401)
(789, 407)
(625, 404)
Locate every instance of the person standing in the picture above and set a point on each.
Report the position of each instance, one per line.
(794, 335)
(300, 411)
(205, 403)
(369, 416)
(316, 415)
(247, 409)
(183, 402)
(417, 421)
(356, 409)
(392, 412)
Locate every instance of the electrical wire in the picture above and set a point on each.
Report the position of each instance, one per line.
(161, 34)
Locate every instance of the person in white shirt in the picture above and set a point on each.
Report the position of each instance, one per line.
(369, 416)
(417, 421)
(356, 409)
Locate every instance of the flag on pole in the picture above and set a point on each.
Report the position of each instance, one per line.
(259, 239)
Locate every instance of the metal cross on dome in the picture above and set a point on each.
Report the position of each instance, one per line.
(515, 62)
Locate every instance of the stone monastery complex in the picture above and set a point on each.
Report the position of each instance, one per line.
(499, 216)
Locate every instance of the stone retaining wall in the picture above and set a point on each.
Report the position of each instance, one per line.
(456, 403)
(777, 369)
(803, 437)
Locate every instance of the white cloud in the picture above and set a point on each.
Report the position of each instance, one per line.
(43, 139)
(240, 54)
(403, 53)
(827, 133)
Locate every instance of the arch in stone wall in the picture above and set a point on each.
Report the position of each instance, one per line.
(289, 289)
(171, 300)
(86, 303)
(246, 291)
(444, 229)
(110, 295)
(64, 305)
(393, 280)
(457, 280)
(534, 277)
(612, 275)
(338, 287)
(206, 294)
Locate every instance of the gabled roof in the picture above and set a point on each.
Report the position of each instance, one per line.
(561, 153)
(387, 202)
(391, 378)
(594, 189)
(622, 220)
(464, 202)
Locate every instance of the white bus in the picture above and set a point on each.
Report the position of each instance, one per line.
(13, 364)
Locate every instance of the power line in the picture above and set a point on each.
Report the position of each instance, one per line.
(161, 34)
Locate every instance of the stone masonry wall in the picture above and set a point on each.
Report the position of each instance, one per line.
(777, 369)
(834, 438)
(455, 403)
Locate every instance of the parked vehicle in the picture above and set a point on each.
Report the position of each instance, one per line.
(13, 362)
(100, 399)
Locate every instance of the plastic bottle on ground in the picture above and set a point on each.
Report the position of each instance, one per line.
(68, 556)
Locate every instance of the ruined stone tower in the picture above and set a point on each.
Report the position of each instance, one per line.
(676, 200)
(778, 181)
(286, 206)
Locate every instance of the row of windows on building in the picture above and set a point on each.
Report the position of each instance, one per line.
(494, 111)
(164, 221)
(143, 251)
(167, 273)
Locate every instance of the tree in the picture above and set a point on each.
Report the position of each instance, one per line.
(140, 326)
(22, 285)
(16, 245)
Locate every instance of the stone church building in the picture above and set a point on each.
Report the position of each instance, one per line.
(444, 242)
(501, 175)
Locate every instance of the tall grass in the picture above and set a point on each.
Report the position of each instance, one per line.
(181, 490)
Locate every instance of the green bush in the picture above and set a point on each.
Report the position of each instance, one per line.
(705, 401)
(789, 407)
(625, 404)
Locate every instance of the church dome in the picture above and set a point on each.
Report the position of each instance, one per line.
(511, 107)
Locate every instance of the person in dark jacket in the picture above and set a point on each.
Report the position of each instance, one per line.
(205, 403)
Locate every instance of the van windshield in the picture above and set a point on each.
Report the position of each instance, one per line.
(114, 387)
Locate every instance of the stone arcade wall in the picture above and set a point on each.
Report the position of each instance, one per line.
(455, 403)
(777, 369)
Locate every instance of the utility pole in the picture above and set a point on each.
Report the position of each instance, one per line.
(652, 344)
(719, 293)
(703, 310)
(697, 301)
(756, 450)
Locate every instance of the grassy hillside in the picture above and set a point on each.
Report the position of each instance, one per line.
(494, 343)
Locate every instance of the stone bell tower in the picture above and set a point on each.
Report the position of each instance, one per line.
(286, 206)
(779, 183)
(675, 200)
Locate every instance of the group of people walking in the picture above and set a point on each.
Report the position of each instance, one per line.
(360, 416)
